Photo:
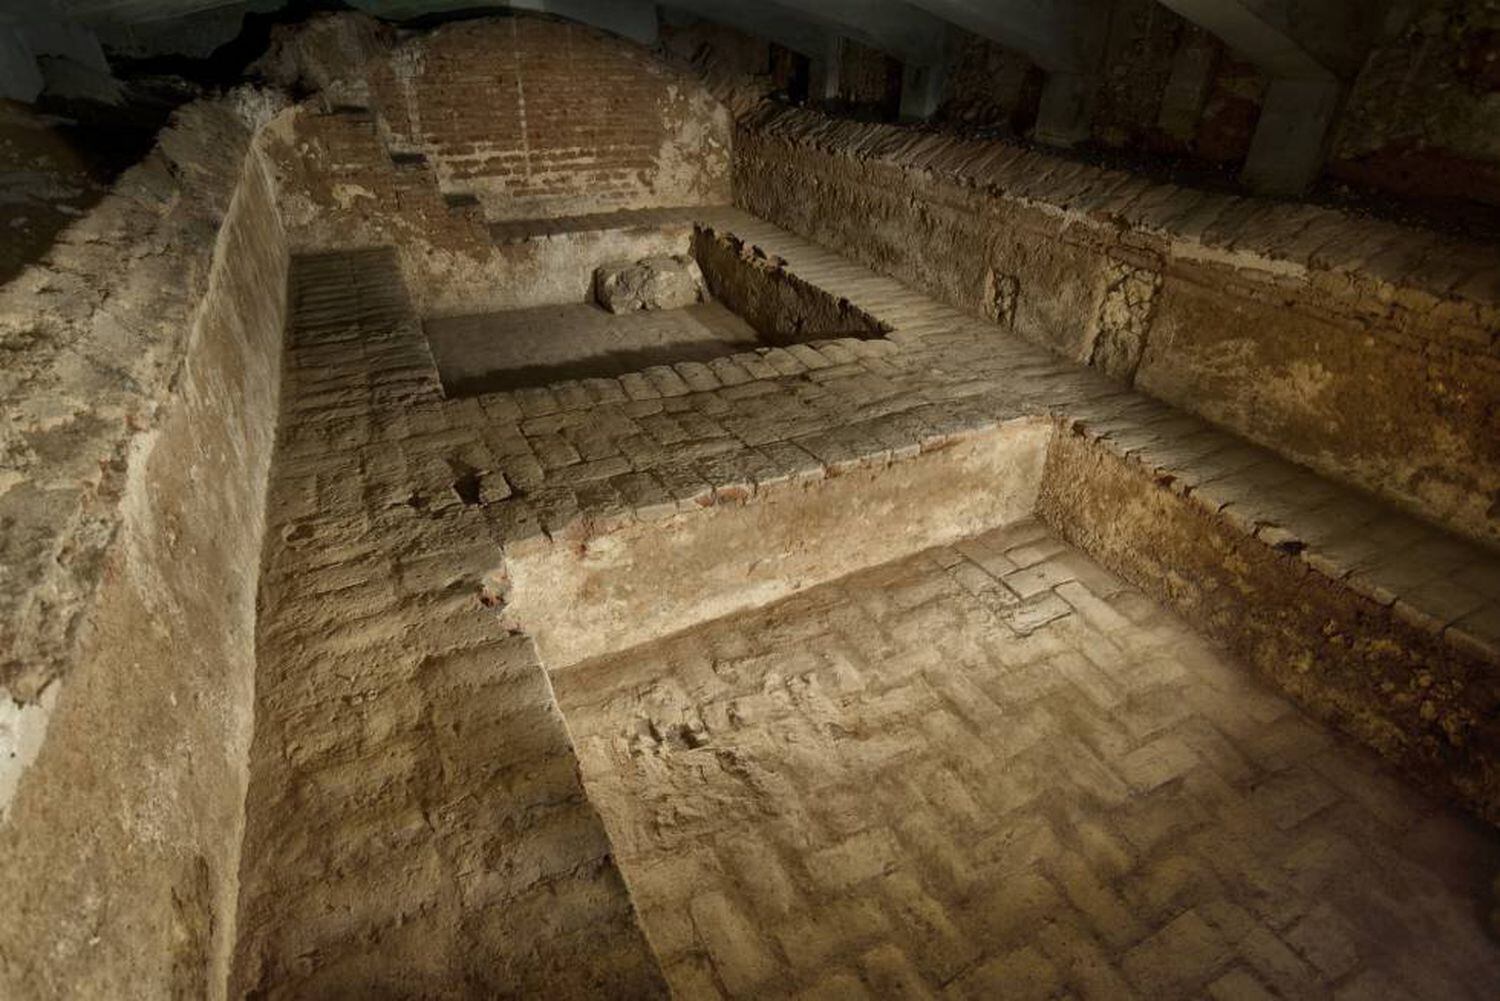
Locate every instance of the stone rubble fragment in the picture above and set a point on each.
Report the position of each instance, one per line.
(663, 282)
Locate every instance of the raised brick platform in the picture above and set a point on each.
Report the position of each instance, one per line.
(1362, 349)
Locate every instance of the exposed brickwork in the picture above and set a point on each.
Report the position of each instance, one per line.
(573, 123)
(416, 823)
(393, 506)
(1363, 349)
(1379, 573)
(567, 112)
(577, 459)
(572, 119)
(783, 308)
(1289, 610)
(995, 770)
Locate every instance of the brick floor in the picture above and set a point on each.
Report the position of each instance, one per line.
(994, 770)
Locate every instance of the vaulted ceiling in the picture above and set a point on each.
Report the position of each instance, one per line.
(1301, 37)
(1308, 49)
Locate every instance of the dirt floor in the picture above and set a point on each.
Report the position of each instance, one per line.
(489, 352)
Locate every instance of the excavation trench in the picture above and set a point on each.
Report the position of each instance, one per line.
(668, 639)
(796, 681)
(396, 617)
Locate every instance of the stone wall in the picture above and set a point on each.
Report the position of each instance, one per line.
(574, 123)
(1166, 87)
(140, 391)
(1363, 349)
(1423, 118)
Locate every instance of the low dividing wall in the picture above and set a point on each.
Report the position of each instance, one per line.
(1362, 349)
(140, 417)
(783, 308)
(649, 579)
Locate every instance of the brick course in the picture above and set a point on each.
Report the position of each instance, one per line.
(542, 117)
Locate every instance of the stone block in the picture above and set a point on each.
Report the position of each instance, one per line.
(665, 282)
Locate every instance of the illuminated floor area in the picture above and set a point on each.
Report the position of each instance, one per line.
(996, 771)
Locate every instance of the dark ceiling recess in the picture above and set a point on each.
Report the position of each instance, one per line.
(226, 65)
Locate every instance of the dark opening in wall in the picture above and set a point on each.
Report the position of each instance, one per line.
(869, 83)
(791, 73)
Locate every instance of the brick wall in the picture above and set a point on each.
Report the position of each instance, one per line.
(503, 119)
(535, 116)
(1362, 349)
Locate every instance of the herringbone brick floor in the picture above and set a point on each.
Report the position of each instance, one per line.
(996, 771)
